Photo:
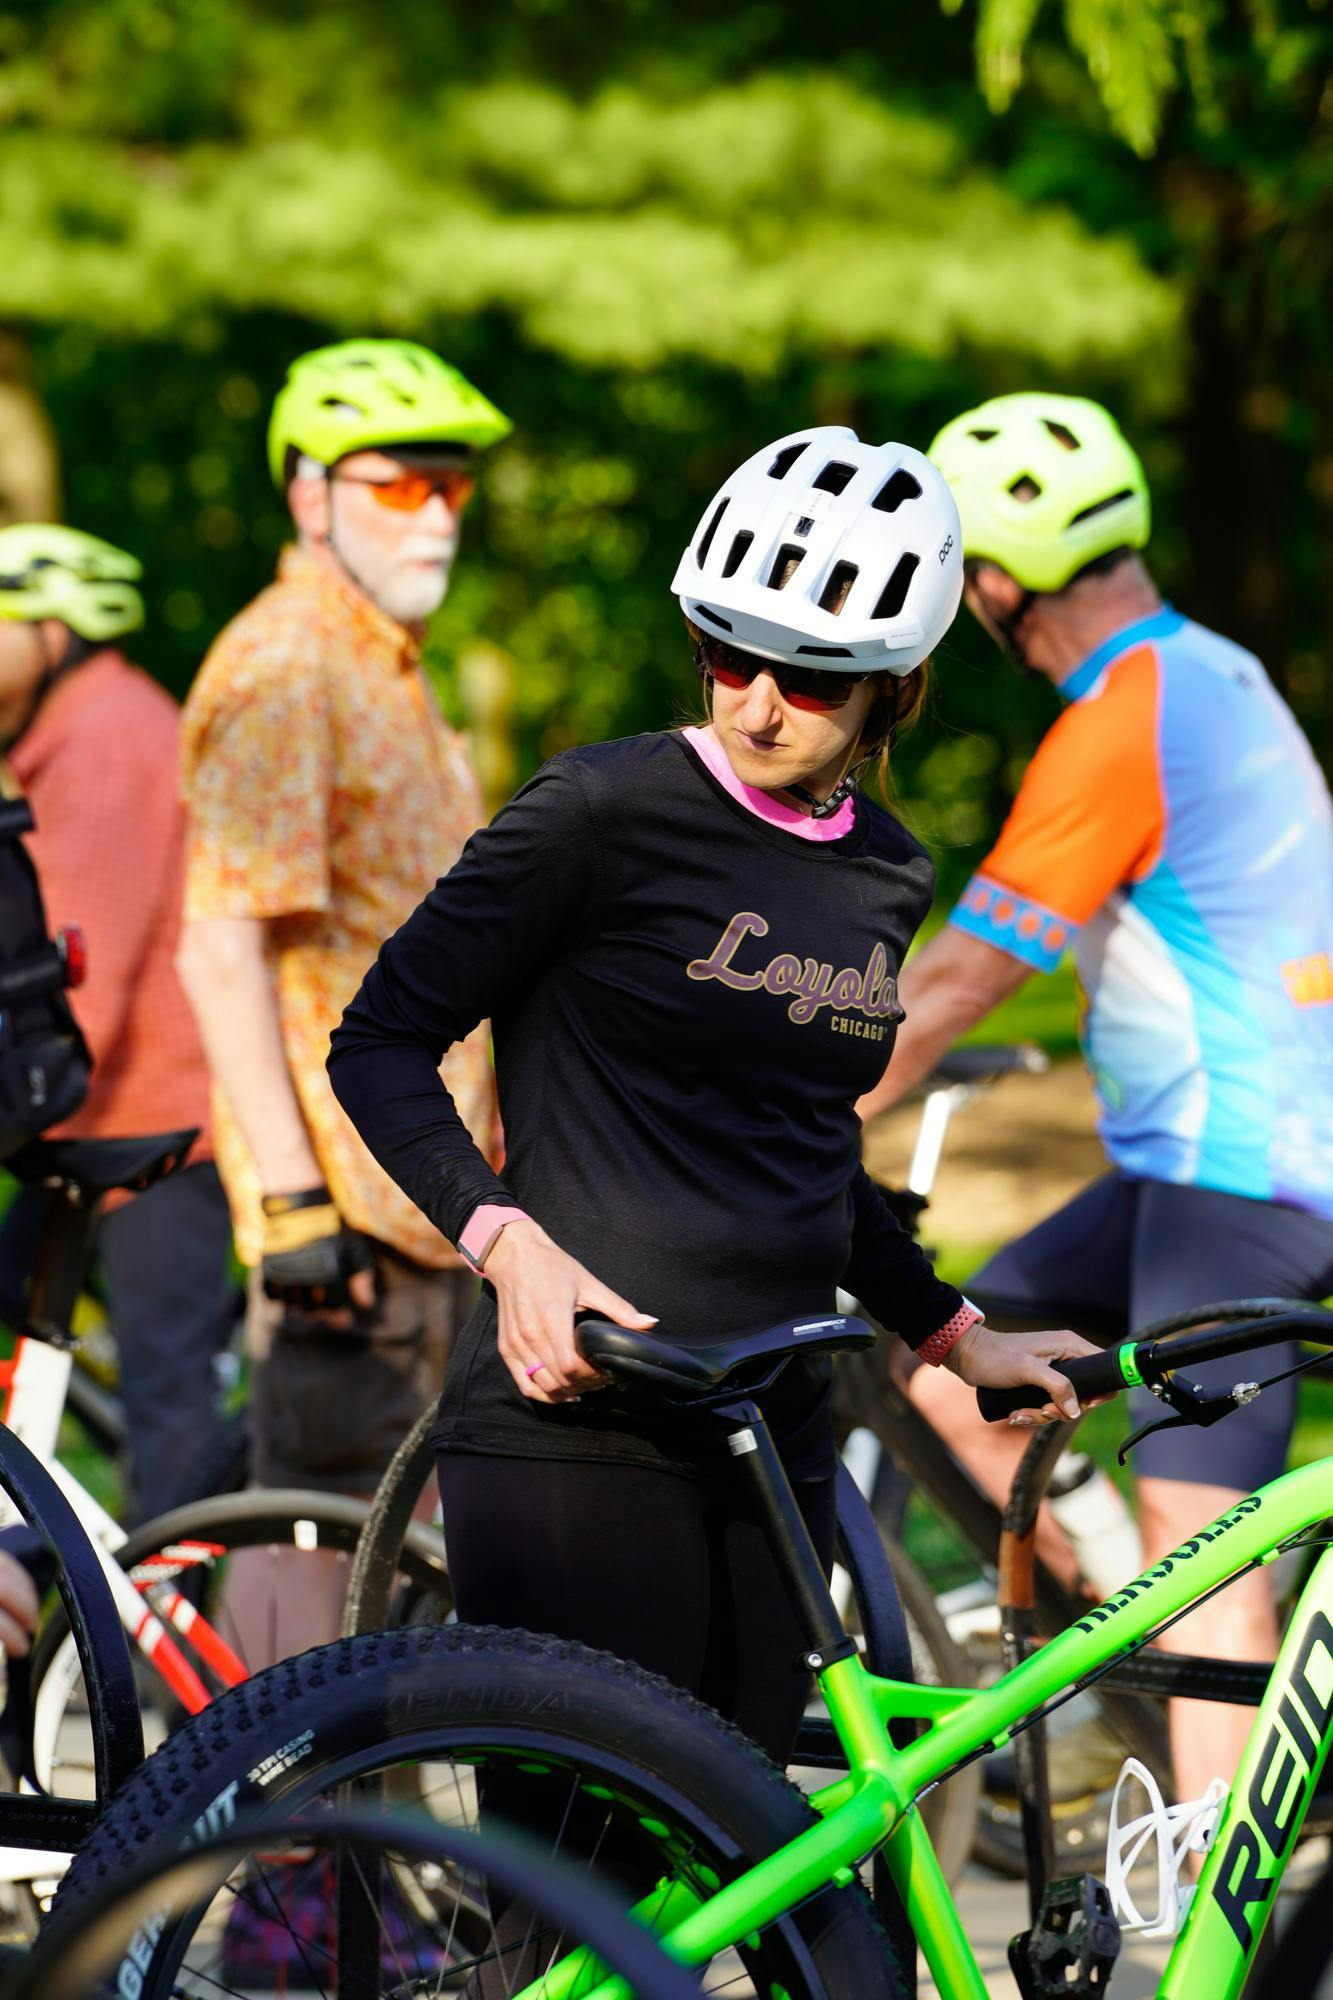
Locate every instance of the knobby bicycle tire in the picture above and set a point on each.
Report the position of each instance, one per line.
(885, 1585)
(134, 1940)
(670, 1769)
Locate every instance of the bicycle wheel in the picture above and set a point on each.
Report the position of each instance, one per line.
(600, 1760)
(374, 1576)
(871, 1560)
(338, 1896)
(194, 1547)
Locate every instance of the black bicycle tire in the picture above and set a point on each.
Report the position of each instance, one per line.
(267, 1512)
(369, 1585)
(359, 1698)
(124, 1922)
(872, 1567)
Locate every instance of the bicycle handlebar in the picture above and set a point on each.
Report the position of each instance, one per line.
(1151, 1361)
(1091, 1374)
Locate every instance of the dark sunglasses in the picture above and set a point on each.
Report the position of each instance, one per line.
(803, 687)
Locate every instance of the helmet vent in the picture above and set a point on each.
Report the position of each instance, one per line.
(713, 617)
(1100, 506)
(343, 407)
(834, 594)
(701, 554)
(1062, 434)
(983, 436)
(785, 460)
(785, 565)
(894, 594)
(804, 525)
(736, 553)
(898, 487)
(1025, 487)
(834, 477)
(827, 652)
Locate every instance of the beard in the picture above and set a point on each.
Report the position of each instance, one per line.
(408, 582)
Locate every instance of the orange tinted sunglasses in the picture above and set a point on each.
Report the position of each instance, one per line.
(409, 491)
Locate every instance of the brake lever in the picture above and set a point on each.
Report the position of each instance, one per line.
(1196, 1409)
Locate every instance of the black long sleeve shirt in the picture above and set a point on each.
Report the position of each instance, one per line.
(686, 1002)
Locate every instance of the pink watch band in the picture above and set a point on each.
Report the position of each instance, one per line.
(948, 1336)
(481, 1229)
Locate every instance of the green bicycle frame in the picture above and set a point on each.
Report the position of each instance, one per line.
(874, 1806)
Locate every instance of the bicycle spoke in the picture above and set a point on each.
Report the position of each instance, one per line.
(299, 1941)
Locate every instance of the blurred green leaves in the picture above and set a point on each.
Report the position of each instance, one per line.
(742, 227)
(658, 235)
(1142, 54)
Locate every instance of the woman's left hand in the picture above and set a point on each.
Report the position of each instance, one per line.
(990, 1360)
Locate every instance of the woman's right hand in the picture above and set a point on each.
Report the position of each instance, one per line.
(538, 1290)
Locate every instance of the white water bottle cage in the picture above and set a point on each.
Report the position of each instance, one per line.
(1175, 1831)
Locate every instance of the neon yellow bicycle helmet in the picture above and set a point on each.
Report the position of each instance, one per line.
(1044, 484)
(48, 571)
(361, 394)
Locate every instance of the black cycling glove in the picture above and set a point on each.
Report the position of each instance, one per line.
(309, 1253)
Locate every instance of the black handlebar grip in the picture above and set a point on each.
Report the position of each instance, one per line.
(1091, 1375)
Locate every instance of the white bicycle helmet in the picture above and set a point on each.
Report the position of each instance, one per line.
(823, 551)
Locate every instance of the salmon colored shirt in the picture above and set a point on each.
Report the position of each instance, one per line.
(100, 767)
(325, 794)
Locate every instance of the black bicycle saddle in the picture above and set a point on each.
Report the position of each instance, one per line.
(644, 1361)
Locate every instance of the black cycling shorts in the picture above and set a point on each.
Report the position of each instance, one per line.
(1143, 1250)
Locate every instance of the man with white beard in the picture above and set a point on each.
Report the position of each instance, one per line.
(325, 795)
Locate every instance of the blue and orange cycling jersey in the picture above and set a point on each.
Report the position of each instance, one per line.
(1175, 828)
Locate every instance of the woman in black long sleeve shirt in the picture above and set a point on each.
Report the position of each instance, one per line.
(687, 943)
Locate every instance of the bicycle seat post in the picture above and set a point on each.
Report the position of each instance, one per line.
(751, 1444)
(62, 1263)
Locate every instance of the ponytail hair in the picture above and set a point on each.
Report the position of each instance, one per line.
(899, 700)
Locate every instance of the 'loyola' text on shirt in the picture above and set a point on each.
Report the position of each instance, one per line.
(873, 992)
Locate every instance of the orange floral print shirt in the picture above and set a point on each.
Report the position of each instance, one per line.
(325, 793)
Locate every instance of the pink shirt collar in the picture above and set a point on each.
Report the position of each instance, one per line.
(764, 805)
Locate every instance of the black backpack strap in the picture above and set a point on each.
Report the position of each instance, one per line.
(15, 812)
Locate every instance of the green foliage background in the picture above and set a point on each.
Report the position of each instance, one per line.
(659, 236)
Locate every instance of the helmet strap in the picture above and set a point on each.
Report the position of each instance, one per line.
(1006, 632)
(337, 554)
(837, 798)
